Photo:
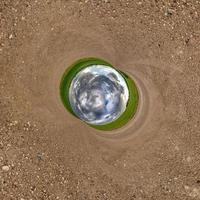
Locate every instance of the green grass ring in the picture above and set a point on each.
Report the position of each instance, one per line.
(132, 104)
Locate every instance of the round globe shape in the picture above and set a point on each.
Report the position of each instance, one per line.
(98, 94)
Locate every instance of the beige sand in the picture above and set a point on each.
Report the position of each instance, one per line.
(45, 153)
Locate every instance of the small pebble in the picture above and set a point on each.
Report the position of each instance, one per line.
(189, 159)
(5, 168)
(10, 36)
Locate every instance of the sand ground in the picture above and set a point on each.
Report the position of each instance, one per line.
(45, 153)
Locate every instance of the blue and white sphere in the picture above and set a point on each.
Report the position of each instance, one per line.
(98, 94)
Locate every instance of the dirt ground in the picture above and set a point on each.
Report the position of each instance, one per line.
(45, 153)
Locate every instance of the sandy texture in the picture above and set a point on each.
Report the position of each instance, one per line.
(45, 153)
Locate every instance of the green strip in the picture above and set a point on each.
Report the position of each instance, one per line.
(71, 72)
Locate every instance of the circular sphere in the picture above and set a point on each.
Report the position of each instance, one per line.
(98, 94)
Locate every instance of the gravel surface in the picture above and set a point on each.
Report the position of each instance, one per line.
(45, 153)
